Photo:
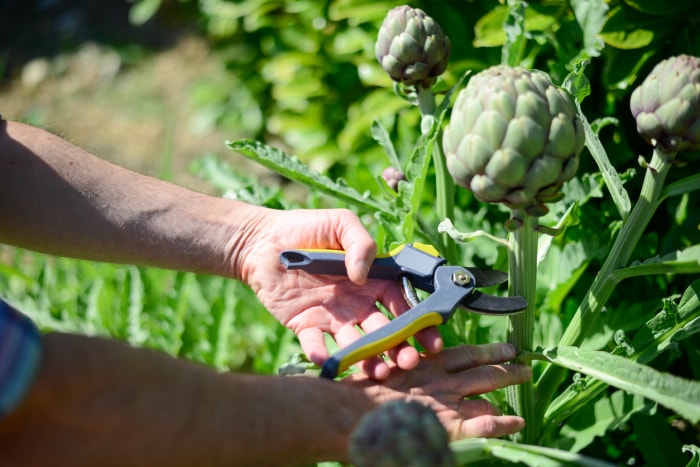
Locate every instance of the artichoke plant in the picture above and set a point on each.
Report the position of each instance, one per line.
(513, 138)
(400, 434)
(411, 47)
(666, 106)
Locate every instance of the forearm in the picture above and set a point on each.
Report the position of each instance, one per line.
(98, 402)
(59, 199)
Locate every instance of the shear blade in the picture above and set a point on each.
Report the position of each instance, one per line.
(488, 277)
(490, 304)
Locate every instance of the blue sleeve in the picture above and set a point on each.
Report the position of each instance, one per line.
(20, 354)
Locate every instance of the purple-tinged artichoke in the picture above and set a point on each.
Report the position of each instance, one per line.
(411, 47)
(666, 105)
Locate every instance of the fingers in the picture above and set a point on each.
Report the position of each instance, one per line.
(487, 426)
(430, 339)
(463, 357)
(374, 367)
(488, 378)
(313, 344)
(360, 248)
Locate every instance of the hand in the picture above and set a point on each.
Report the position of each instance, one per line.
(442, 381)
(312, 305)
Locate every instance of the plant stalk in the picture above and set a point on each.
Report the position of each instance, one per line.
(444, 185)
(604, 284)
(522, 280)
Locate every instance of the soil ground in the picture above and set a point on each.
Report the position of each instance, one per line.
(65, 69)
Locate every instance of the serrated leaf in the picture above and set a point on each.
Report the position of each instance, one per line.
(667, 328)
(678, 394)
(612, 179)
(293, 169)
(577, 83)
(670, 326)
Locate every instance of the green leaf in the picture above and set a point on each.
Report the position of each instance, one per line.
(516, 35)
(679, 262)
(136, 334)
(590, 15)
(626, 28)
(673, 392)
(293, 169)
(610, 175)
(603, 415)
(468, 451)
(680, 187)
(673, 324)
(577, 83)
(695, 452)
(143, 10)
(489, 29)
(669, 327)
(655, 7)
(381, 136)
(656, 441)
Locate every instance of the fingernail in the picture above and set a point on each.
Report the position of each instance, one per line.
(362, 268)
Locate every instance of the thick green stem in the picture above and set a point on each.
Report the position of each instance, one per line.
(604, 284)
(522, 280)
(444, 185)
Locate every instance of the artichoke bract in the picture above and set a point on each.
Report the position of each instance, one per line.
(513, 138)
(400, 434)
(666, 106)
(411, 47)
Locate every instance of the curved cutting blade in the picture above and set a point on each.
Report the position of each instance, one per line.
(492, 305)
(488, 277)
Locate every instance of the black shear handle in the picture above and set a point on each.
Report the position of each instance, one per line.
(417, 261)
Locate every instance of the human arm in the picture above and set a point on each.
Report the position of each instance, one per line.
(59, 199)
(100, 402)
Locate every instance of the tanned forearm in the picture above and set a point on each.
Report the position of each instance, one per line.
(59, 199)
(83, 410)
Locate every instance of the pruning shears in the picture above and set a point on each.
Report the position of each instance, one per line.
(415, 266)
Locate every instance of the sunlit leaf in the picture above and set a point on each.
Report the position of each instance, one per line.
(291, 168)
(678, 394)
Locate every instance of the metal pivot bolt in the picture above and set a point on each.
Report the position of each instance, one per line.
(461, 278)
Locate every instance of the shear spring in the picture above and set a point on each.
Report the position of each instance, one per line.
(409, 292)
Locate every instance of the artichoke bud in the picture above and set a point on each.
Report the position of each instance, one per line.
(400, 434)
(666, 106)
(393, 176)
(411, 47)
(513, 138)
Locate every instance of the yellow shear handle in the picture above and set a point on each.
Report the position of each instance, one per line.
(374, 343)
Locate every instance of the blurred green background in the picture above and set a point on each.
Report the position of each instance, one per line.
(159, 86)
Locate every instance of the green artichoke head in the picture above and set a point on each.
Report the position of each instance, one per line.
(666, 106)
(513, 138)
(400, 434)
(411, 47)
